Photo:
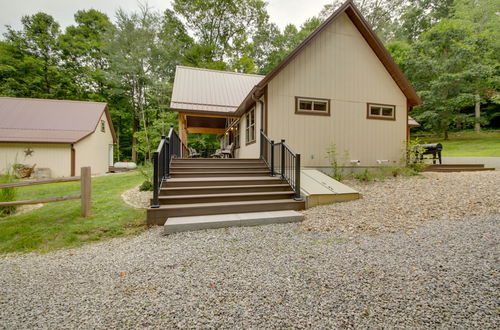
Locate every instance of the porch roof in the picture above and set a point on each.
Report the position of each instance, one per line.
(212, 92)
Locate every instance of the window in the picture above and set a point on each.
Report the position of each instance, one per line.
(237, 135)
(310, 106)
(250, 128)
(381, 111)
(103, 126)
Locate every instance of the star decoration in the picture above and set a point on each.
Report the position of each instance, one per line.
(29, 152)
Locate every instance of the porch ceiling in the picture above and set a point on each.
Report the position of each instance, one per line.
(208, 125)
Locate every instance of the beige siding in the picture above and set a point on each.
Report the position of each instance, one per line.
(337, 65)
(57, 157)
(252, 150)
(93, 150)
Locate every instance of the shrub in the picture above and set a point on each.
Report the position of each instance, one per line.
(336, 163)
(7, 194)
(146, 186)
(411, 155)
(147, 172)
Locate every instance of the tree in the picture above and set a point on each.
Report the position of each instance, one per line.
(31, 60)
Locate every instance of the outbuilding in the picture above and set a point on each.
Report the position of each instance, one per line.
(59, 136)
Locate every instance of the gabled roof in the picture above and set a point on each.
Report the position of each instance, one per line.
(357, 18)
(210, 91)
(49, 121)
(412, 122)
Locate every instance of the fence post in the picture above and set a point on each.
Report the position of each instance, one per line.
(86, 191)
(156, 168)
(282, 158)
(272, 157)
(297, 177)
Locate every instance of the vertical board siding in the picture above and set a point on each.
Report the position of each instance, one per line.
(57, 157)
(93, 150)
(338, 65)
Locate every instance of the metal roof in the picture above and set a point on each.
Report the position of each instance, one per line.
(210, 91)
(49, 121)
(412, 122)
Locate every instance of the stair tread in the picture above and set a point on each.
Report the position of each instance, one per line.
(279, 185)
(196, 205)
(229, 195)
(228, 178)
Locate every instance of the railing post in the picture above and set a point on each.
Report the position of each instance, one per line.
(297, 177)
(86, 191)
(167, 157)
(282, 158)
(261, 144)
(272, 157)
(164, 158)
(156, 187)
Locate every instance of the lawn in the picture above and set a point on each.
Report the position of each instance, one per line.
(59, 225)
(469, 144)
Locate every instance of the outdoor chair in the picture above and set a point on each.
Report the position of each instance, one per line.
(193, 153)
(217, 154)
(227, 152)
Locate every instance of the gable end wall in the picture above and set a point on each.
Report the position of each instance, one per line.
(338, 65)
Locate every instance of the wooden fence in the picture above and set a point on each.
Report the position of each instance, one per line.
(85, 191)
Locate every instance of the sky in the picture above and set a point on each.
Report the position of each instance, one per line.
(282, 12)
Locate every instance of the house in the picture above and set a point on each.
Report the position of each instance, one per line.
(58, 135)
(339, 86)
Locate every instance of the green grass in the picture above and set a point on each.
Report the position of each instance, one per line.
(59, 225)
(469, 144)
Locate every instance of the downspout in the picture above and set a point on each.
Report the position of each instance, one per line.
(261, 108)
(73, 161)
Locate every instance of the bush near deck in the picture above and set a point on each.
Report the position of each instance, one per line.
(468, 144)
(59, 225)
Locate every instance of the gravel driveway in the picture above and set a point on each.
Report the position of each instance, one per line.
(442, 274)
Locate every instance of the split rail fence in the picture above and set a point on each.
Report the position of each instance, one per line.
(85, 191)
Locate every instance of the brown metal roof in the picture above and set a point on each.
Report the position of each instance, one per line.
(364, 28)
(49, 121)
(210, 91)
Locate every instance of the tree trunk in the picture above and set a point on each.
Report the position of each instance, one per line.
(134, 140)
(446, 134)
(477, 113)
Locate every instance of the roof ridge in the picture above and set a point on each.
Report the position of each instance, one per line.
(220, 71)
(53, 100)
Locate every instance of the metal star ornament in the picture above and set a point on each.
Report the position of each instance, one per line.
(29, 152)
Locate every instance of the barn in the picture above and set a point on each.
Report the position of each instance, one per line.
(56, 136)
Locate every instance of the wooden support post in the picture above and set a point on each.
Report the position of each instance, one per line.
(86, 191)
(272, 157)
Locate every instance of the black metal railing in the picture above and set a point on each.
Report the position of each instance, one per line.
(170, 147)
(281, 161)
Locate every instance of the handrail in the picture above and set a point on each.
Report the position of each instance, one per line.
(283, 161)
(170, 147)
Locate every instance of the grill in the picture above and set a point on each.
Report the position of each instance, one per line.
(433, 149)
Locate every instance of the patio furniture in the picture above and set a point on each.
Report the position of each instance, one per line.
(433, 149)
(217, 154)
(193, 153)
(227, 152)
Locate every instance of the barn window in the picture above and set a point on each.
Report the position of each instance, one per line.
(312, 106)
(381, 111)
(103, 126)
(250, 129)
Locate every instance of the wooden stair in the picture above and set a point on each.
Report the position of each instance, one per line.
(221, 186)
(457, 168)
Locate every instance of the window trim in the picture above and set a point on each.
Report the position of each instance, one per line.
(370, 116)
(312, 112)
(247, 142)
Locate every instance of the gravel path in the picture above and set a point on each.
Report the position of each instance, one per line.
(404, 203)
(444, 274)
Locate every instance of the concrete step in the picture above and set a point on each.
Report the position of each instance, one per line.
(222, 181)
(191, 223)
(159, 215)
(228, 197)
(178, 191)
